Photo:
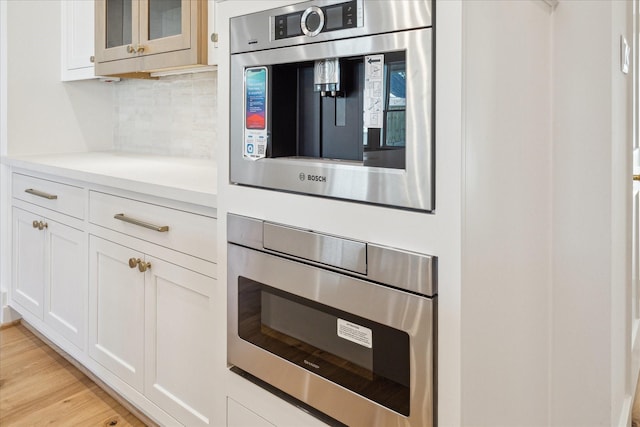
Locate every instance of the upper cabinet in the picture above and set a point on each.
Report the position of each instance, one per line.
(77, 40)
(142, 36)
(213, 33)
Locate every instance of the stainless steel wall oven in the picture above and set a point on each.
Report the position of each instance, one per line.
(344, 326)
(334, 98)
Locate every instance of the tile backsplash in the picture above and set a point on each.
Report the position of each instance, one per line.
(171, 116)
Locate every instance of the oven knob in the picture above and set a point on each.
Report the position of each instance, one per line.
(312, 21)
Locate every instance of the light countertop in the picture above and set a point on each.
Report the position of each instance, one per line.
(182, 179)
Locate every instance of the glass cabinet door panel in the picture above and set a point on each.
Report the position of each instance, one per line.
(165, 18)
(119, 23)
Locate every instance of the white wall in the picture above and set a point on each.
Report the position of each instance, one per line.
(592, 104)
(506, 244)
(6, 314)
(44, 114)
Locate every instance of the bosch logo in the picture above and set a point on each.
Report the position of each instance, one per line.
(317, 178)
(310, 177)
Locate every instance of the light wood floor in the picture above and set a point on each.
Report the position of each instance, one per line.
(39, 387)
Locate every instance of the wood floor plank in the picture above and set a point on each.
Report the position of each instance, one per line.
(38, 387)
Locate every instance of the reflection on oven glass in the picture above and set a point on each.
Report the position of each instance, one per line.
(370, 359)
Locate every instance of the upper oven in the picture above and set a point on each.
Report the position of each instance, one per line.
(335, 99)
(344, 326)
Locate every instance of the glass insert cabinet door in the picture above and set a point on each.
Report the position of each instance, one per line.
(165, 25)
(130, 28)
(117, 29)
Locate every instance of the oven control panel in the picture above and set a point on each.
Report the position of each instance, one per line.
(315, 20)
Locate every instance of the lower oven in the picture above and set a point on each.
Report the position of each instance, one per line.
(343, 326)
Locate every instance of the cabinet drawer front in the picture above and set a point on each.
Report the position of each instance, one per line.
(59, 197)
(175, 229)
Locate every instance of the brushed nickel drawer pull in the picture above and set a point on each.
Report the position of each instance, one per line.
(159, 228)
(41, 194)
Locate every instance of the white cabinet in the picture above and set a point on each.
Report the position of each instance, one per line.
(65, 293)
(49, 255)
(28, 262)
(77, 40)
(212, 56)
(141, 284)
(116, 311)
(178, 341)
(49, 275)
(124, 283)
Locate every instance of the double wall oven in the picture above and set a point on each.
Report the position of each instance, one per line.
(344, 326)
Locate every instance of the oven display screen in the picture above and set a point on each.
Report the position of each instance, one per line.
(255, 97)
(293, 25)
(334, 18)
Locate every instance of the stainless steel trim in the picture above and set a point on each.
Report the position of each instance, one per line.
(124, 218)
(255, 31)
(401, 310)
(338, 252)
(41, 194)
(402, 269)
(244, 231)
(411, 188)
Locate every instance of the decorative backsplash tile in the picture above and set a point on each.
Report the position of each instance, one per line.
(172, 116)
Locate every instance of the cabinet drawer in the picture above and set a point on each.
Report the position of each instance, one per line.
(59, 197)
(175, 229)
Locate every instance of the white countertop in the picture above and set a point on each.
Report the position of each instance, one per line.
(186, 180)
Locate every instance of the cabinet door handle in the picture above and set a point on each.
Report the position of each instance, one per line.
(142, 266)
(124, 218)
(41, 194)
(39, 225)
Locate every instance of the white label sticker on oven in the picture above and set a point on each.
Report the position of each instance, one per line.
(255, 145)
(373, 91)
(255, 104)
(355, 333)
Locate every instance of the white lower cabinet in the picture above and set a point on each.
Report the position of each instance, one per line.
(49, 275)
(149, 321)
(130, 300)
(177, 342)
(28, 262)
(116, 311)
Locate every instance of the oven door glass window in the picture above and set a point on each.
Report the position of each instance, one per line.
(363, 356)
